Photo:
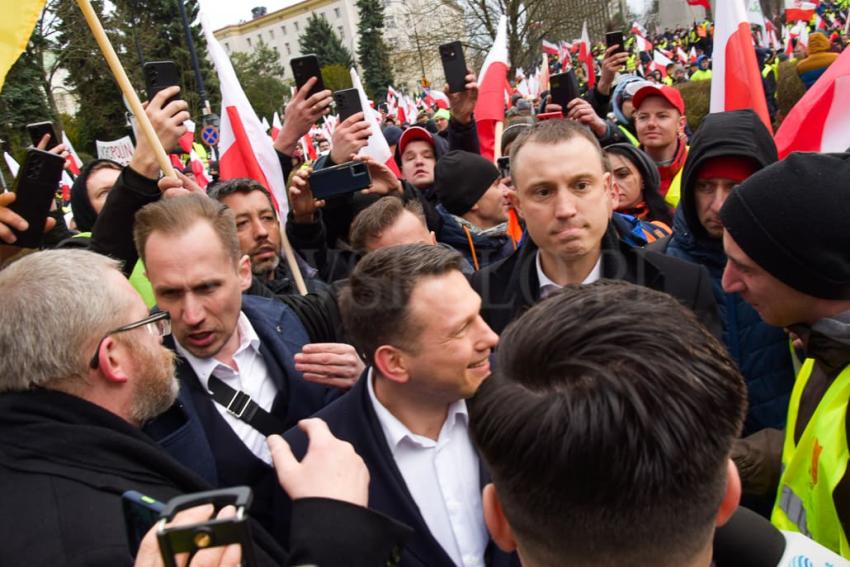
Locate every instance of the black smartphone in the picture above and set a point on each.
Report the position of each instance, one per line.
(454, 66)
(340, 179)
(35, 187)
(305, 67)
(563, 88)
(141, 513)
(215, 532)
(159, 75)
(347, 103)
(615, 38)
(504, 164)
(37, 130)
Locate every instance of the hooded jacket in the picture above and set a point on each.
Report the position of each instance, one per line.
(485, 249)
(761, 351)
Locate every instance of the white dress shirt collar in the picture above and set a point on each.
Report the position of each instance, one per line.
(547, 286)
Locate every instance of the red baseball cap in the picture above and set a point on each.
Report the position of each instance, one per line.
(412, 134)
(671, 95)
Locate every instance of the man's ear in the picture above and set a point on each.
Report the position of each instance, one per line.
(683, 121)
(243, 269)
(732, 497)
(514, 201)
(112, 360)
(494, 517)
(433, 238)
(392, 364)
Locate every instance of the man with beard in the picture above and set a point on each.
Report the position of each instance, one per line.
(83, 369)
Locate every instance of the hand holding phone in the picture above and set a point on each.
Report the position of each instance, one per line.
(37, 130)
(563, 88)
(35, 188)
(615, 38)
(347, 103)
(340, 180)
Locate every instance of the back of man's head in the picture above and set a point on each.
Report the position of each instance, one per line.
(56, 307)
(177, 215)
(377, 225)
(375, 304)
(607, 427)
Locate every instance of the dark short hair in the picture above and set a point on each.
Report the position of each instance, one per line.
(607, 427)
(244, 185)
(555, 132)
(378, 217)
(375, 303)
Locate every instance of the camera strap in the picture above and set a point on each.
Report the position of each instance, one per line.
(241, 406)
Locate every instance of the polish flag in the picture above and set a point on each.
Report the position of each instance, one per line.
(188, 137)
(276, 125)
(638, 29)
(74, 161)
(308, 148)
(198, 169)
(736, 80)
(681, 55)
(660, 62)
(65, 185)
(544, 73)
(13, 165)
(692, 55)
(704, 3)
(586, 56)
(564, 56)
(804, 34)
(490, 106)
(265, 124)
(439, 98)
(245, 148)
(797, 10)
(642, 43)
(820, 121)
(376, 146)
(550, 48)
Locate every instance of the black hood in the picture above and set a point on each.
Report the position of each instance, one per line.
(738, 133)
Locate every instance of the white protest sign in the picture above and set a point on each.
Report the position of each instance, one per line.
(120, 150)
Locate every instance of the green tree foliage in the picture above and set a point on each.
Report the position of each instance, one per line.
(372, 51)
(259, 74)
(319, 38)
(336, 77)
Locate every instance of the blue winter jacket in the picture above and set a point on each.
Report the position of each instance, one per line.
(762, 352)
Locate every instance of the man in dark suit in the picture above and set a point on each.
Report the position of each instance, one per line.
(412, 313)
(565, 195)
(236, 364)
(83, 379)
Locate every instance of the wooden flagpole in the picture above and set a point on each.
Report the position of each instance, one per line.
(125, 86)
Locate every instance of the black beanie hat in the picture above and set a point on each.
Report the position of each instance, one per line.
(461, 178)
(792, 219)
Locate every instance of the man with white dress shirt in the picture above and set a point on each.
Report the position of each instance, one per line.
(238, 377)
(411, 312)
(565, 195)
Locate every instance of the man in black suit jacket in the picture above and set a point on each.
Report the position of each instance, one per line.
(565, 195)
(412, 313)
(83, 380)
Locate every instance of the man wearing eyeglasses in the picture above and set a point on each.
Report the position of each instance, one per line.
(81, 372)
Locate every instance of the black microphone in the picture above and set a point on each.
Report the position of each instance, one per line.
(748, 540)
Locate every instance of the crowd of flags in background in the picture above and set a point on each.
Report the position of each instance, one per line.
(819, 122)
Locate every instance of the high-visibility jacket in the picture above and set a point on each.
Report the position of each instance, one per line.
(674, 193)
(701, 75)
(629, 136)
(813, 466)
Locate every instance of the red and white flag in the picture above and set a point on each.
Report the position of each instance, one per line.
(704, 3)
(586, 56)
(74, 161)
(376, 146)
(796, 10)
(490, 107)
(564, 56)
(804, 34)
(198, 169)
(638, 29)
(276, 125)
(736, 81)
(681, 55)
(820, 121)
(439, 98)
(188, 137)
(308, 148)
(642, 43)
(244, 147)
(550, 48)
(660, 62)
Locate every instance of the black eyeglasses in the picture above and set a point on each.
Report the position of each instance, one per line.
(159, 324)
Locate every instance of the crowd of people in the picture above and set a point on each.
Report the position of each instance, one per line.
(626, 344)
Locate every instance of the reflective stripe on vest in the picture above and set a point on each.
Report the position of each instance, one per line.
(674, 193)
(813, 467)
(629, 136)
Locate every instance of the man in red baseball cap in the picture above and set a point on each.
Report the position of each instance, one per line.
(417, 156)
(660, 124)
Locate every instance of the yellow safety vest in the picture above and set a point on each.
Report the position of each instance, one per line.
(813, 467)
(674, 193)
(629, 136)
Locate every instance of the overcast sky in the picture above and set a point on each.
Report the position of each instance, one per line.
(224, 12)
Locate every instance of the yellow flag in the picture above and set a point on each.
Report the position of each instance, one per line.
(16, 25)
